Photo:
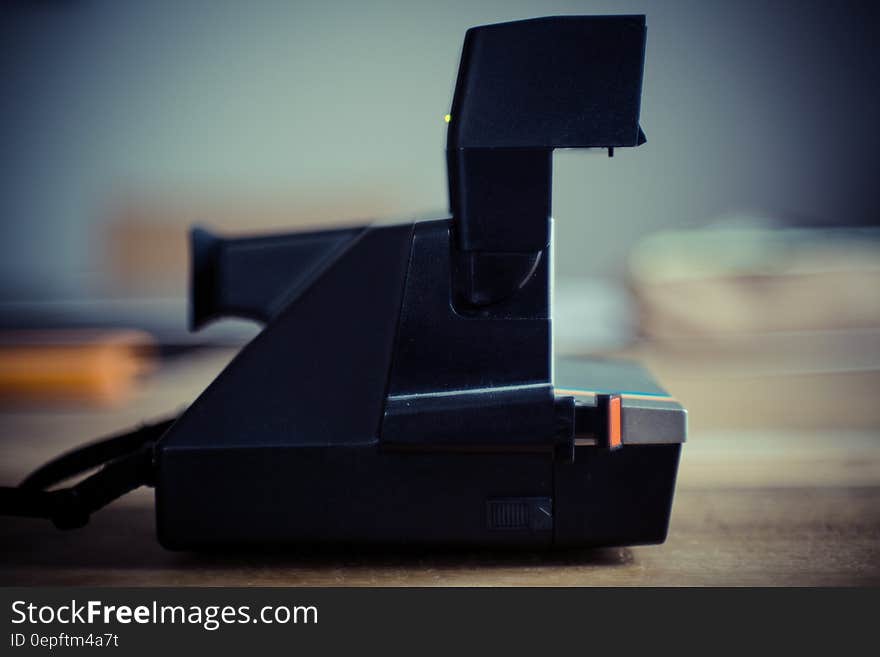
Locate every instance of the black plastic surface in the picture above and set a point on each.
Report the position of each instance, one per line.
(555, 82)
(316, 375)
(523, 89)
(256, 277)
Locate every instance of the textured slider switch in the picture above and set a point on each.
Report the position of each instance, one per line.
(522, 513)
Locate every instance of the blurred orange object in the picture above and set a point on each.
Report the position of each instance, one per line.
(73, 366)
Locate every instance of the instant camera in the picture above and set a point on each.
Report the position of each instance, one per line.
(403, 389)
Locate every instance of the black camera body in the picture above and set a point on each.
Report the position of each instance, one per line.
(404, 388)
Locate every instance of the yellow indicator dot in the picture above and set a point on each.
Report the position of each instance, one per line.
(447, 118)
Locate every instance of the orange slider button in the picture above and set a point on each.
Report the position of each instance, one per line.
(614, 423)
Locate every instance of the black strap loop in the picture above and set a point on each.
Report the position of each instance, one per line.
(127, 464)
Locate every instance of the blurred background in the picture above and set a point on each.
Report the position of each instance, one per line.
(737, 252)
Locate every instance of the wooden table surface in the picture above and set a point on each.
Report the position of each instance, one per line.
(779, 485)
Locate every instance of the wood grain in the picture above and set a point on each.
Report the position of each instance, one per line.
(754, 506)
